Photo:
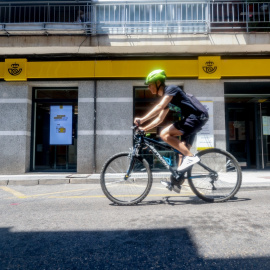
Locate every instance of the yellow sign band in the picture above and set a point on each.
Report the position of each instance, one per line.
(205, 67)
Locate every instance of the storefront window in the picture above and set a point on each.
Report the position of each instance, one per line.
(54, 140)
(248, 132)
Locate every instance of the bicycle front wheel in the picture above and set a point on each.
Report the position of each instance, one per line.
(218, 178)
(126, 191)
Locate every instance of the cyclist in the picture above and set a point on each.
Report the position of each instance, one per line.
(193, 116)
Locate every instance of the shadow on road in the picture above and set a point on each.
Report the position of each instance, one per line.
(120, 249)
(176, 200)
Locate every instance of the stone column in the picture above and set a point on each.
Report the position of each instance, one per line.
(15, 127)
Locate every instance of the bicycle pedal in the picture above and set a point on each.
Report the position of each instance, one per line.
(176, 189)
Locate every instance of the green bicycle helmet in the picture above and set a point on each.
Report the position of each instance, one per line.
(156, 75)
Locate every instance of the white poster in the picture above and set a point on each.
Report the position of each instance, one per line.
(266, 125)
(61, 125)
(205, 138)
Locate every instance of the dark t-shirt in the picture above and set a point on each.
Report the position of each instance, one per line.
(180, 100)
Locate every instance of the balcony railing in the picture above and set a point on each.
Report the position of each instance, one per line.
(137, 17)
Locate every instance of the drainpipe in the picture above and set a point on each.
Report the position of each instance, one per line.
(95, 127)
(261, 134)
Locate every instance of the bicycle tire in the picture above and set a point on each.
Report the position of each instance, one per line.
(220, 188)
(130, 191)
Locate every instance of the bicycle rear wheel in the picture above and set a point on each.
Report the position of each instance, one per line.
(222, 183)
(126, 191)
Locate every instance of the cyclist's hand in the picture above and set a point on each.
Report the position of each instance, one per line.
(137, 121)
(141, 129)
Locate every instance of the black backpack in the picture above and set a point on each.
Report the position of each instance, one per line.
(197, 104)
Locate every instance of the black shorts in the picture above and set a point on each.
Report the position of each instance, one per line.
(190, 126)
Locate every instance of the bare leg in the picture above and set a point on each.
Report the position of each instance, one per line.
(169, 135)
(181, 156)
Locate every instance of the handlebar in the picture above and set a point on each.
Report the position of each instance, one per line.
(138, 131)
(138, 122)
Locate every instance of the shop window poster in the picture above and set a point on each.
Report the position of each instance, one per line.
(237, 131)
(266, 125)
(61, 125)
(205, 138)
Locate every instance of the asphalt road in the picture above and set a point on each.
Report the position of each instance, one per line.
(76, 227)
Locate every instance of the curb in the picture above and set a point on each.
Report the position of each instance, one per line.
(252, 180)
(53, 181)
(3, 182)
(72, 181)
(22, 182)
(34, 182)
(83, 181)
(254, 187)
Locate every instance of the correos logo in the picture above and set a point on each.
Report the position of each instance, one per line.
(209, 67)
(15, 70)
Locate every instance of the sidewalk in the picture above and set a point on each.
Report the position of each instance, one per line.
(250, 179)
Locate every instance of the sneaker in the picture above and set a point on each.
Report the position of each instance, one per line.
(167, 184)
(187, 162)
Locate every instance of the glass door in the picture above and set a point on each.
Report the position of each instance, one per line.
(249, 102)
(237, 134)
(248, 131)
(264, 131)
(241, 133)
(54, 140)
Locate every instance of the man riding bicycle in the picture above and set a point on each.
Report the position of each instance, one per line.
(193, 116)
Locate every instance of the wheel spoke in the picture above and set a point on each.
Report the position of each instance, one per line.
(126, 191)
(222, 183)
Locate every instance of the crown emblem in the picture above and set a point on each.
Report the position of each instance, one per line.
(209, 63)
(15, 65)
(209, 67)
(15, 70)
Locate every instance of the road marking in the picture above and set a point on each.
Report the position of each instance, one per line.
(120, 196)
(14, 192)
(51, 193)
(77, 197)
(20, 195)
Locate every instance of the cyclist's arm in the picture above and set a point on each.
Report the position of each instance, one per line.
(157, 109)
(157, 120)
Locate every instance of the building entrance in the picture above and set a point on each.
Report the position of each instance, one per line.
(248, 123)
(54, 129)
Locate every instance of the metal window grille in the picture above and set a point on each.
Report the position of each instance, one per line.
(137, 17)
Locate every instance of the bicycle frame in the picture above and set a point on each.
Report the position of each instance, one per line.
(144, 141)
(147, 142)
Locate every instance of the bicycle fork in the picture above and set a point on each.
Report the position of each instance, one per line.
(134, 153)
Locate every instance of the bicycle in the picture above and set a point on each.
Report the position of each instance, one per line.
(126, 178)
